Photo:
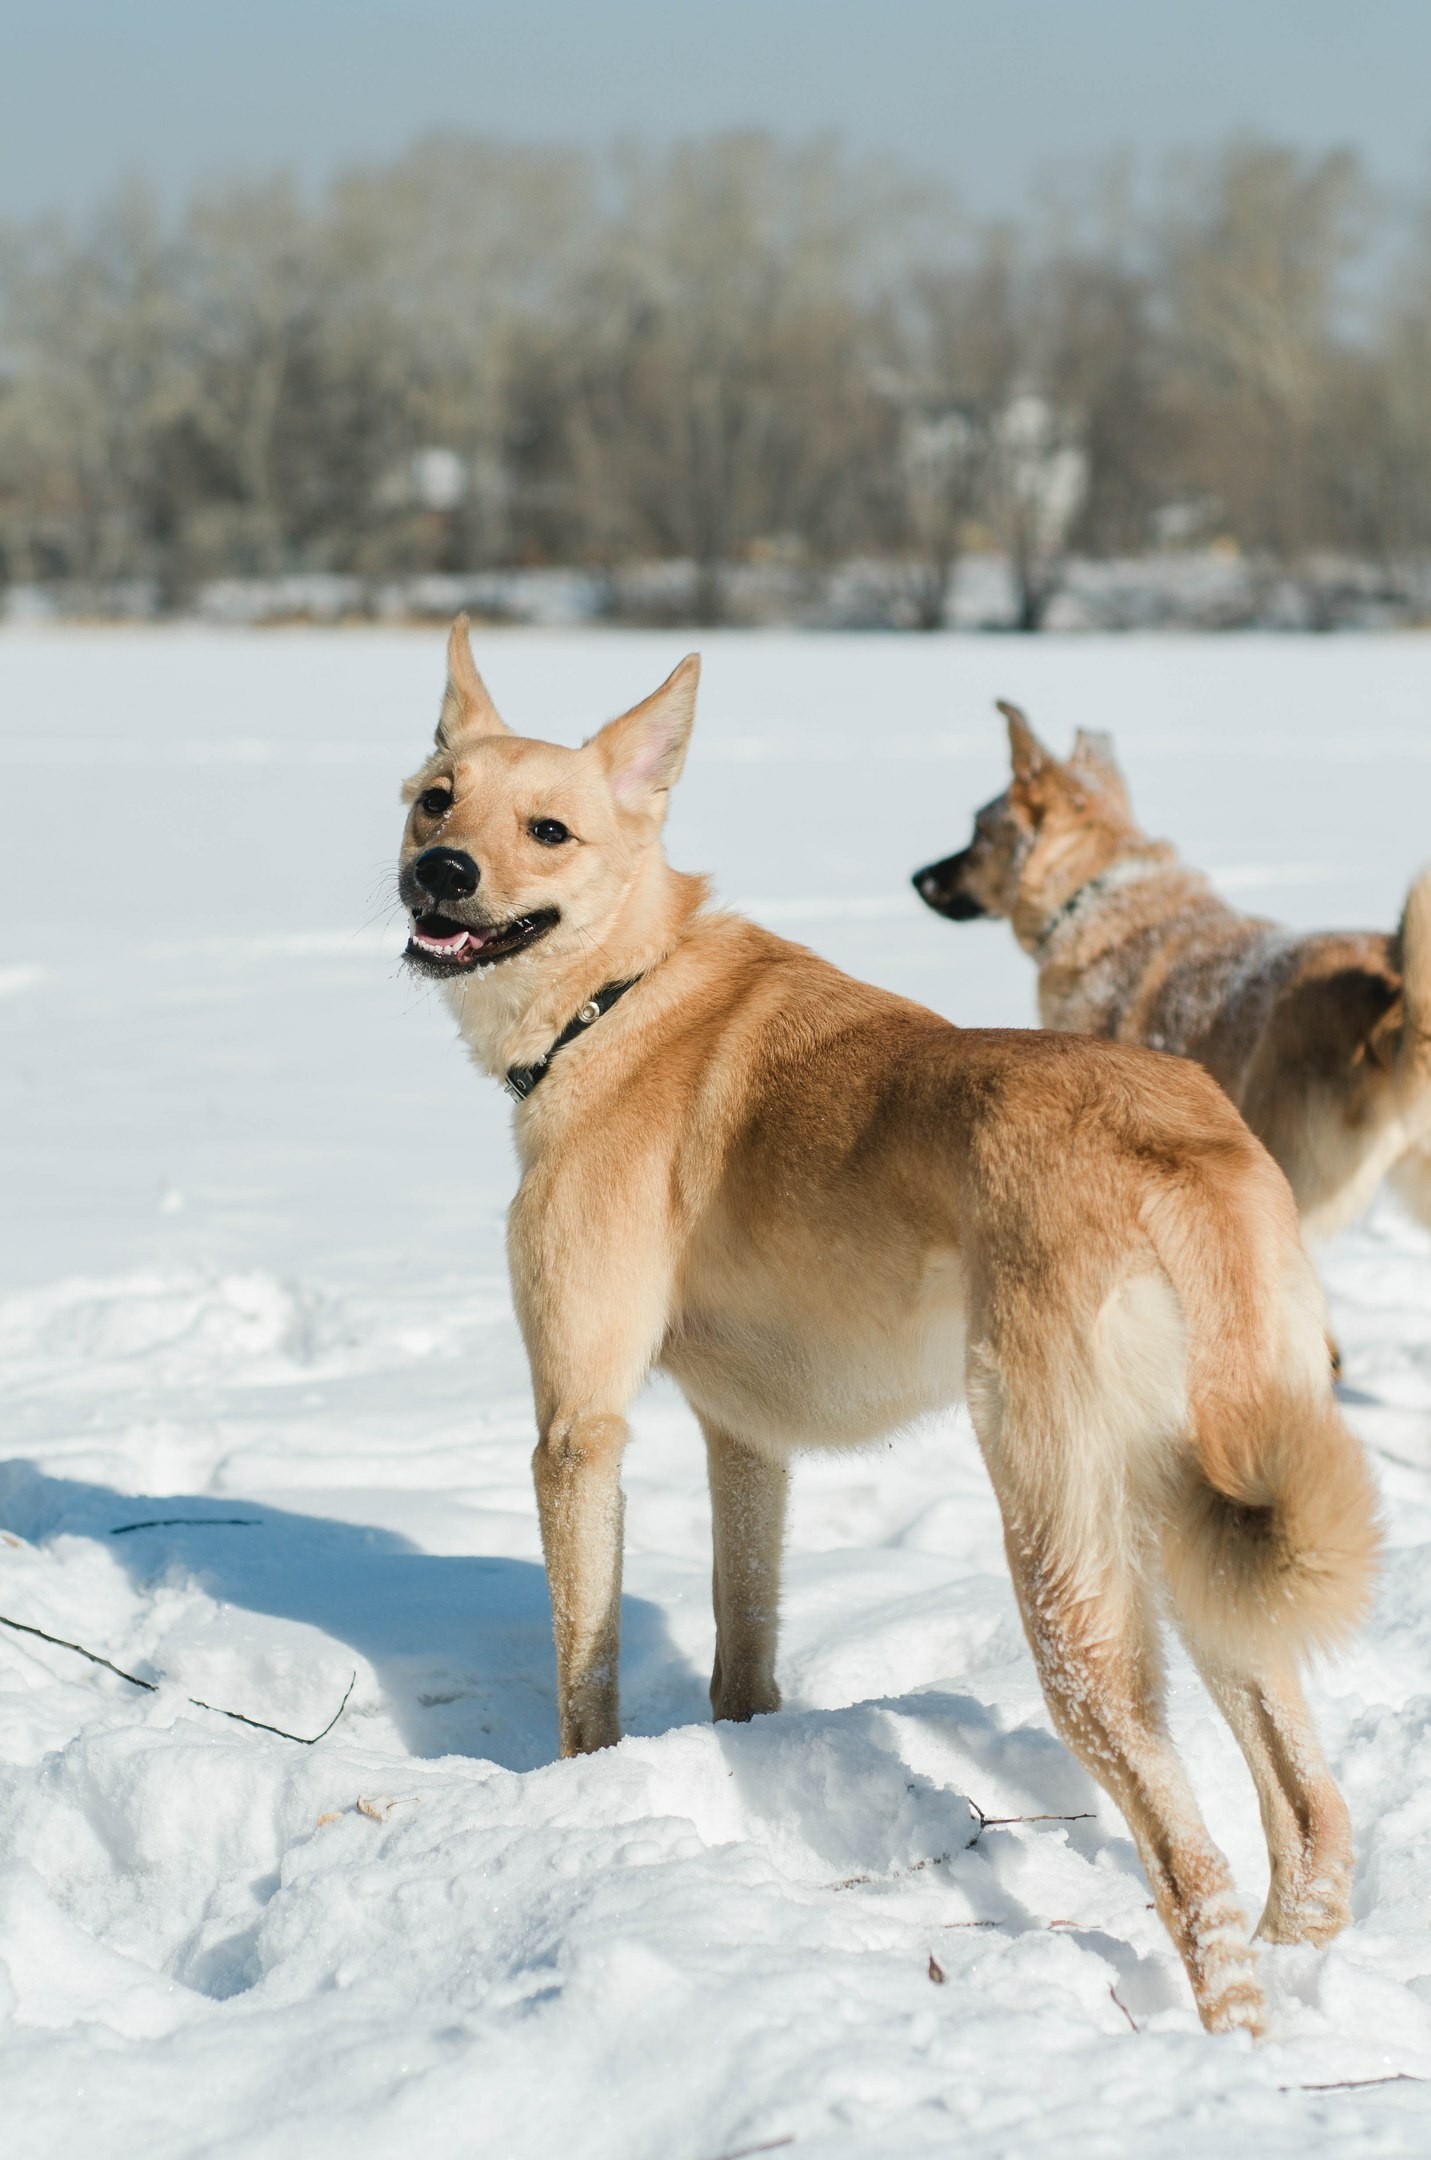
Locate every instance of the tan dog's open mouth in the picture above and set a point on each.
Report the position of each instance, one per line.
(439, 946)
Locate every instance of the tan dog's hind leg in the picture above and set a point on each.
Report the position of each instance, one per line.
(748, 1527)
(577, 1469)
(1304, 1816)
(1098, 1659)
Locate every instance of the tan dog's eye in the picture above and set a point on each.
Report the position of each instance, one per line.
(435, 801)
(549, 830)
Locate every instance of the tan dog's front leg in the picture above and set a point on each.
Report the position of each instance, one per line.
(577, 1468)
(593, 1313)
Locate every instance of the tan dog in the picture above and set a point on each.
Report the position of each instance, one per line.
(826, 1211)
(1323, 1042)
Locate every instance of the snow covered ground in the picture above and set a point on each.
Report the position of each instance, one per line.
(266, 1428)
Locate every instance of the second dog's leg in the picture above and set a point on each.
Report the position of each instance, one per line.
(748, 1527)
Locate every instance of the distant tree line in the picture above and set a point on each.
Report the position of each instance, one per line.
(732, 354)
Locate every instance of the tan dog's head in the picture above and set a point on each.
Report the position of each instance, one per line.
(512, 844)
(1055, 825)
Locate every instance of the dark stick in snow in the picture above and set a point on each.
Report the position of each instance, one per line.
(1001, 1822)
(1122, 2006)
(188, 1522)
(1395, 2077)
(746, 2152)
(986, 1822)
(22, 1627)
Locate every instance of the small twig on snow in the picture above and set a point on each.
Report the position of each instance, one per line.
(1122, 2006)
(189, 1522)
(151, 1687)
(1001, 1822)
(746, 2152)
(916, 1867)
(379, 1810)
(1396, 2077)
(986, 1822)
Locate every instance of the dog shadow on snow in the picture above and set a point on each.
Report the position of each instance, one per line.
(461, 1648)
(461, 1645)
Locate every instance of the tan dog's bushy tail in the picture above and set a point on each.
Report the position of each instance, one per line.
(1273, 1550)
(1271, 1545)
(1413, 948)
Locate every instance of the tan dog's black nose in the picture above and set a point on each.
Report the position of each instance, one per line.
(446, 873)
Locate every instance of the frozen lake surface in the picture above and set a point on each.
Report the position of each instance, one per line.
(253, 1279)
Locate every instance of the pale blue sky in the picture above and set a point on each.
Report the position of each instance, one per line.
(983, 92)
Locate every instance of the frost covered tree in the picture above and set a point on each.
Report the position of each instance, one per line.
(716, 394)
(941, 461)
(1038, 482)
(95, 337)
(1254, 251)
(735, 358)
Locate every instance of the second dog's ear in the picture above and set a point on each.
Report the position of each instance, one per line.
(1026, 753)
(467, 707)
(1093, 753)
(1094, 747)
(644, 750)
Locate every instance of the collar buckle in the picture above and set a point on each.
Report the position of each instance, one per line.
(519, 1080)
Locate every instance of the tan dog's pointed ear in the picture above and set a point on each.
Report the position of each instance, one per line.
(1026, 752)
(643, 752)
(467, 707)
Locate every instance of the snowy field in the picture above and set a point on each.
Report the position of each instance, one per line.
(267, 1428)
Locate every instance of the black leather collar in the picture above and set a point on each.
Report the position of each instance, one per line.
(521, 1079)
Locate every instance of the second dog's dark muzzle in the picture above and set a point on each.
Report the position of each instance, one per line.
(940, 887)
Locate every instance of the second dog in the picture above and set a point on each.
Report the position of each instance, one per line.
(1323, 1041)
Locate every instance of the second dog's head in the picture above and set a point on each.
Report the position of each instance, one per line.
(1056, 824)
(513, 844)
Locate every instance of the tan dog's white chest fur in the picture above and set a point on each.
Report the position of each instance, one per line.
(825, 1211)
